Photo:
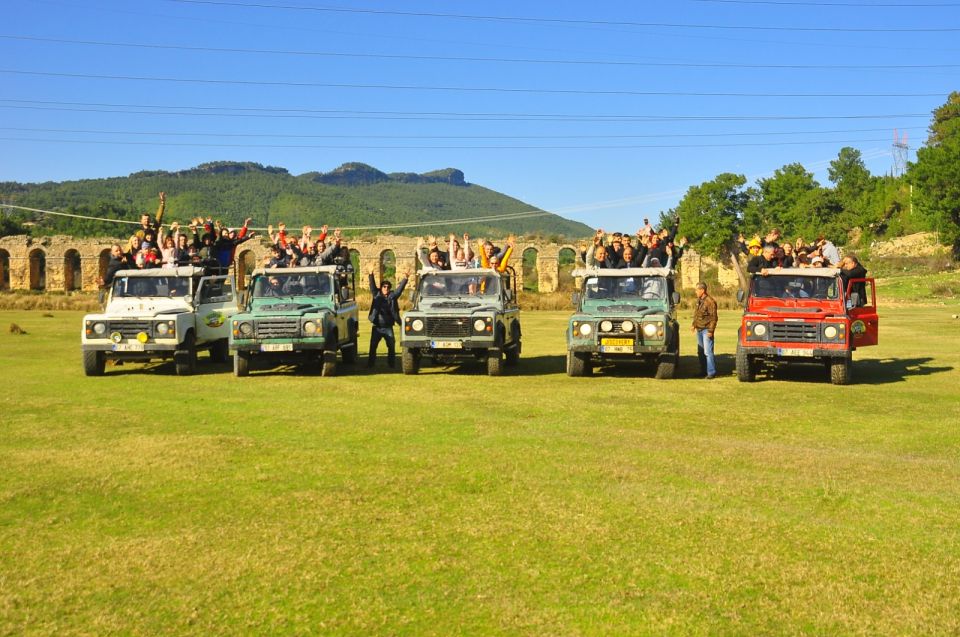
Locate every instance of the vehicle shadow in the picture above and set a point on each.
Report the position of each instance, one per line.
(166, 368)
(865, 372)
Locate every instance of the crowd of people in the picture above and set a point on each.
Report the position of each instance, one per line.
(653, 248)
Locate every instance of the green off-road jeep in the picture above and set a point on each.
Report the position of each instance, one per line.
(296, 314)
(623, 315)
(463, 314)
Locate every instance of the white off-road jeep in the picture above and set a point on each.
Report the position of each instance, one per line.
(161, 313)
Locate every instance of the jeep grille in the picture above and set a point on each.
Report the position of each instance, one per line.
(795, 332)
(448, 326)
(129, 329)
(278, 328)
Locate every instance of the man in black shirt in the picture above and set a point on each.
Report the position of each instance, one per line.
(384, 314)
(851, 268)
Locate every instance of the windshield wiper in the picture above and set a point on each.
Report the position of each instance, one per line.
(457, 304)
(623, 308)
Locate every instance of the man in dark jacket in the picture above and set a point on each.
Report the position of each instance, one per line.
(704, 325)
(384, 314)
(118, 261)
(851, 268)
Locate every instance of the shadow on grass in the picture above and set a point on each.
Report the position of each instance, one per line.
(865, 372)
(205, 367)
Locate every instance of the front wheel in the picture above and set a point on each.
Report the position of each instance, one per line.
(328, 364)
(667, 366)
(409, 361)
(185, 358)
(241, 364)
(512, 355)
(494, 362)
(745, 369)
(578, 364)
(840, 371)
(94, 363)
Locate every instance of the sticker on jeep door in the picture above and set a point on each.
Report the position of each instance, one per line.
(213, 319)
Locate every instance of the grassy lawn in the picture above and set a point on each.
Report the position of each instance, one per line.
(454, 503)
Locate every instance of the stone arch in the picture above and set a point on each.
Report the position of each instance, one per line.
(567, 263)
(355, 261)
(530, 269)
(103, 262)
(387, 265)
(37, 260)
(246, 263)
(72, 270)
(4, 270)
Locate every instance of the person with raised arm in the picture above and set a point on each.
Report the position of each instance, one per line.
(384, 314)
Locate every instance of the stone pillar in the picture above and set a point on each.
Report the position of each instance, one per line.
(690, 264)
(548, 273)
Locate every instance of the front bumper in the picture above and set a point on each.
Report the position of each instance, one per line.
(792, 352)
(149, 351)
(465, 345)
(279, 348)
(638, 349)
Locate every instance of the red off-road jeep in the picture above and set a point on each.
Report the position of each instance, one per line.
(804, 315)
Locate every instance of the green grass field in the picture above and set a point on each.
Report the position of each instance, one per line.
(454, 503)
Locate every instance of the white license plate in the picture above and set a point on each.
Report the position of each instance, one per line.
(276, 347)
(446, 344)
(794, 351)
(616, 349)
(128, 347)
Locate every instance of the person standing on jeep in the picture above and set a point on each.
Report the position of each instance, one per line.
(704, 324)
(384, 314)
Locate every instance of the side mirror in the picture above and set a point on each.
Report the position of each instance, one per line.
(675, 297)
(575, 298)
(508, 294)
(344, 294)
(741, 296)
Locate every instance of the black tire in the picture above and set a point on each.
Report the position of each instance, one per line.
(840, 371)
(328, 363)
(666, 366)
(746, 372)
(349, 352)
(494, 362)
(185, 358)
(409, 361)
(220, 351)
(241, 364)
(94, 363)
(579, 364)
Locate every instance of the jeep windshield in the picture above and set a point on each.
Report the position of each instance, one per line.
(152, 286)
(459, 285)
(794, 287)
(279, 285)
(625, 288)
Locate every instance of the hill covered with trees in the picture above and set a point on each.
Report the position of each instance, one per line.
(353, 195)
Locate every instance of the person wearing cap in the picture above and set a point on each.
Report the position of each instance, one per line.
(704, 325)
(384, 314)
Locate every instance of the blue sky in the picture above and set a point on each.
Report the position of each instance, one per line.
(604, 112)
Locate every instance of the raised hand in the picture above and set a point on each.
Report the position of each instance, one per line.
(247, 221)
(163, 197)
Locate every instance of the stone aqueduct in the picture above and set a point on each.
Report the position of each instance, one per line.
(68, 264)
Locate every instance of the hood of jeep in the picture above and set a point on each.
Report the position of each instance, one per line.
(286, 309)
(144, 308)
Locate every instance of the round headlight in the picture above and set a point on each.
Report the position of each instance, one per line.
(479, 325)
(830, 331)
(163, 329)
(100, 328)
(310, 327)
(245, 329)
(585, 329)
(650, 329)
(627, 326)
(416, 325)
(606, 326)
(759, 329)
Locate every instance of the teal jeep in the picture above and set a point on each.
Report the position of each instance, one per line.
(463, 314)
(623, 315)
(296, 314)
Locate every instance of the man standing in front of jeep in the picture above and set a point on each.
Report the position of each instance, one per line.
(704, 325)
(384, 314)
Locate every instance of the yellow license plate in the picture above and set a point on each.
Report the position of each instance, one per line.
(616, 341)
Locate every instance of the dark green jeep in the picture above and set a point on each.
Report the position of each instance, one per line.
(306, 313)
(622, 315)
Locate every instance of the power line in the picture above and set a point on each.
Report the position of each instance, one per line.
(439, 147)
(482, 137)
(461, 89)
(453, 115)
(567, 21)
(444, 58)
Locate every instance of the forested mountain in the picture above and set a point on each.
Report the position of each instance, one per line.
(352, 195)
